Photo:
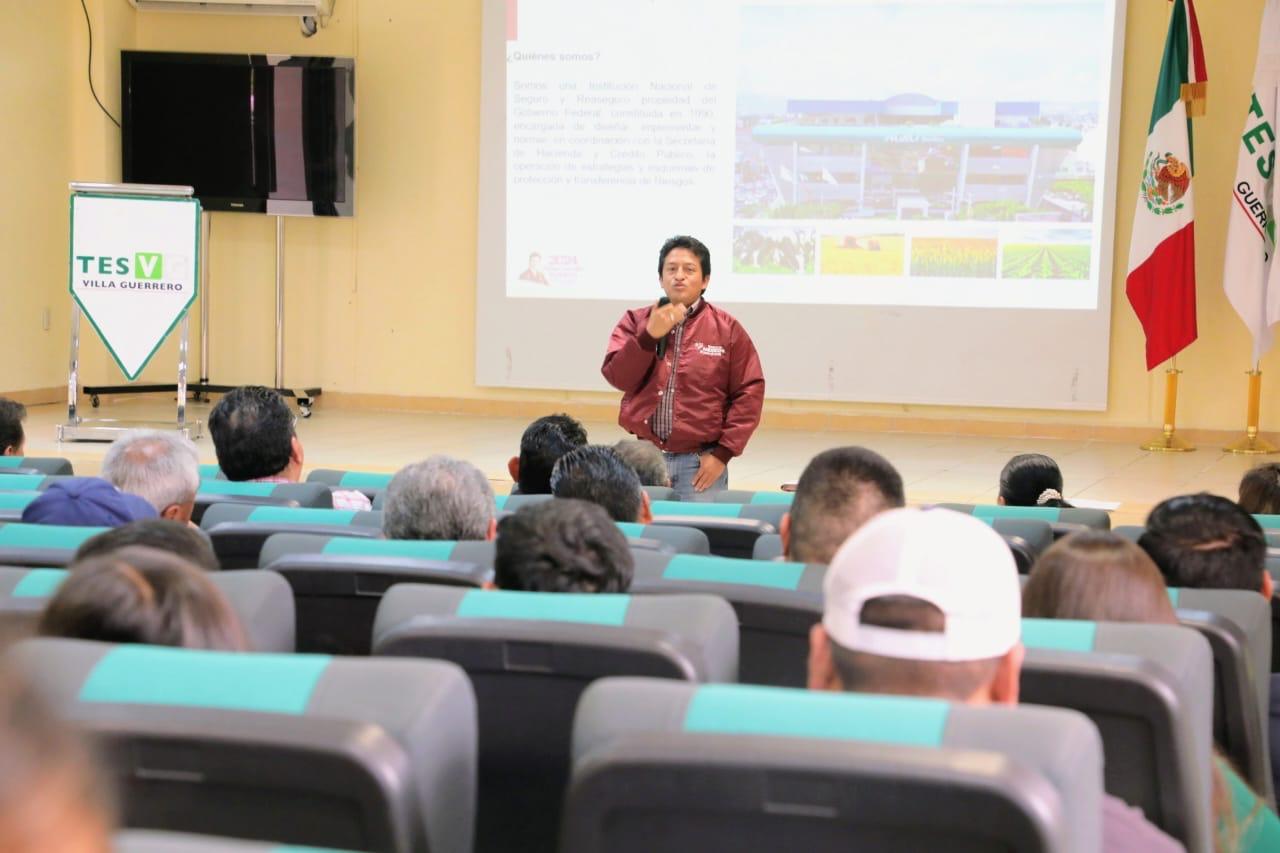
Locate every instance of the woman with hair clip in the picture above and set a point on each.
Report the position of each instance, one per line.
(1031, 479)
(1102, 577)
(142, 595)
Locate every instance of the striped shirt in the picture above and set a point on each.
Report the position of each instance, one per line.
(663, 417)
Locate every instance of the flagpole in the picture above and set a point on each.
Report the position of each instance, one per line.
(1169, 441)
(1252, 443)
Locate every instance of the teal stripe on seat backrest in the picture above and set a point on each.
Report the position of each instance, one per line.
(418, 549)
(500, 501)
(749, 710)
(16, 500)
(631, 529)
(39, 583)
(691, 508)
(692, 567)
(772, 498)
(45, 536)
(152, 675)
(210, 472)
(11, 461)
(1062, 635)
(300, 515)
(21, 482)
(1267, 522)
(591, 608)
(1174, 594)
(365, 480)
(993, 511)
(231, 487)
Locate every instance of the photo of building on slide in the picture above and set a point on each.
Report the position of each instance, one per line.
(924, 112)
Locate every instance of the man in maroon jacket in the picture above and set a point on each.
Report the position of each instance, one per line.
(690, 377)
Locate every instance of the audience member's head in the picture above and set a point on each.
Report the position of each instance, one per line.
(1031, 479)
(1205, 541)
(141, 595)
(86, 502)
(596, 473)
(839, 490)
(53, 797)
(1260, 490)
(564, 545)
(544, 441)
(13, 439)
(172, 537)
(921, 603)
(253, 436)
(1098, 576)
(161, 467)
(646, 460)
(439, 498)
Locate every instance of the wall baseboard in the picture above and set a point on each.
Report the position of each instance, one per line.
(38, 396)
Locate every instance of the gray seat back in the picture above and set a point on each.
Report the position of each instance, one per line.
(151, 841)
(261, 600)
(238, 532)
(1149, 690)
(310, 495)
(1237, 625)
(1063, 520)
(776, 604)
(529, 656)
(41, 545)
(682, 540)
(732, 767)
(300, 749)
(49, 466)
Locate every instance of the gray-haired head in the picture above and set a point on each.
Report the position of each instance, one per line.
(438, 498)
(646, 460)
(162, 468)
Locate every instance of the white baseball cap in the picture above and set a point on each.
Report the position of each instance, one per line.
(953, 561)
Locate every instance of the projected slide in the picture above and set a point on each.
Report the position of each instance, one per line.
(939, 153)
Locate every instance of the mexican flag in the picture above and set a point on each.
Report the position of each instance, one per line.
(1252, 282)
(1161, 284)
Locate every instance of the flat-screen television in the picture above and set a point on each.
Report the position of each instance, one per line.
(255, 133)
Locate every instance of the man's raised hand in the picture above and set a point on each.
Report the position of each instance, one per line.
(664, 318)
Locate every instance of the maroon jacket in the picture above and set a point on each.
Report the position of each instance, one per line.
(719, 382)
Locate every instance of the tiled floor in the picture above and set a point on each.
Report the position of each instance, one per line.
(934, 467)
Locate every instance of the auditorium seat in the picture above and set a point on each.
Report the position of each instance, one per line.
(338, 582)
(239, 531)
(370, 483)
(40, 465)
(660, 493)
(725, 768)
(13, 503)
(682, 540)
(744, 496)
(211, 472)
(1027, 540)
(261, 600)
(11, 482)
(41, 545)
(1063, 520)
(511, 503)
(313, 495)
(529, 656)
(151, 841)
(299, 749)
(732, 529)
(1237, 625)
(1149, 690)
(776, 604)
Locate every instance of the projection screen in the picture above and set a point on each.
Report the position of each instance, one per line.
(907, 201)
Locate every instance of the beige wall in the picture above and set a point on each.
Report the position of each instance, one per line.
(384, 304)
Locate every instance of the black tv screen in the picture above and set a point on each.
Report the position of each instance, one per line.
(256, 133)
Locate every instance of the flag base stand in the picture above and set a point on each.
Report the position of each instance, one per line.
(1252, 444)
(1169, 441)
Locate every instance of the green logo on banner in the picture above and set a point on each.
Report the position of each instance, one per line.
(148, 266)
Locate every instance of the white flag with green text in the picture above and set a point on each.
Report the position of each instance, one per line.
(1251, 279)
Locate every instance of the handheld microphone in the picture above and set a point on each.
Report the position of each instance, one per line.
(662, 343)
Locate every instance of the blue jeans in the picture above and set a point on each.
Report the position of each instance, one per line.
(683, 467)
